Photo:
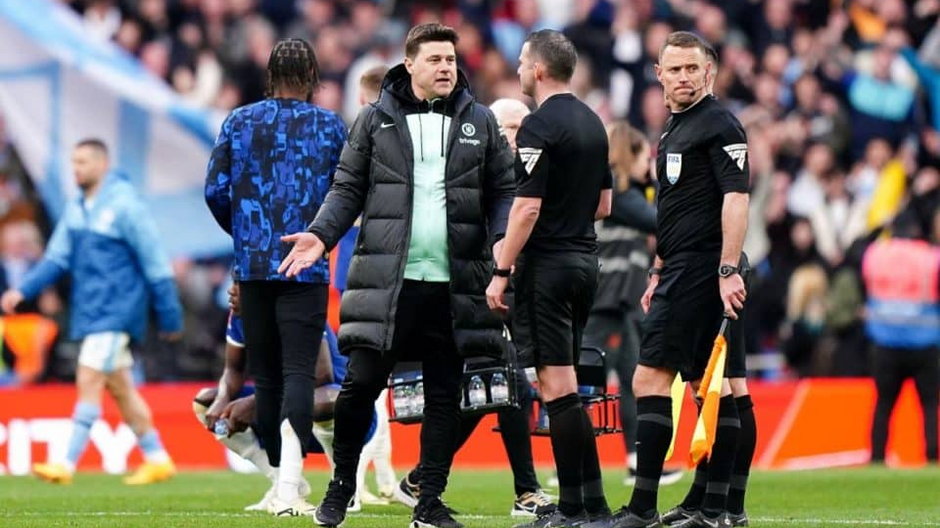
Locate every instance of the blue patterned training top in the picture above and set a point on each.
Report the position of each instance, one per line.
(270, 170)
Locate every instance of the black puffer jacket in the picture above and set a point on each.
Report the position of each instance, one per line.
(375, 178)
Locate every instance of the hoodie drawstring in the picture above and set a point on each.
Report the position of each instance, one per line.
(421, 136)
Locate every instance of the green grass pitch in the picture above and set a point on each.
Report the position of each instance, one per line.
(840, 498)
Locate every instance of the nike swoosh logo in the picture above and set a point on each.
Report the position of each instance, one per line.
(288, 511)
(386, 125)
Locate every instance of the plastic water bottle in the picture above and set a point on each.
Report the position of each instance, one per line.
(220, 428)
(401, 401)
(542, 423)
(417, 399)
(587, 390)
(476, 392)
(499, 389)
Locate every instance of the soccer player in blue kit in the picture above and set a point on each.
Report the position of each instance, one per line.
(232, 403)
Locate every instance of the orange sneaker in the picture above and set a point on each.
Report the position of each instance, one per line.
(151, 472)
(55, 473)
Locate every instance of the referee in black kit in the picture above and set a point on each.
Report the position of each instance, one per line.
(563, 186)
(703, 201)
(736, 372)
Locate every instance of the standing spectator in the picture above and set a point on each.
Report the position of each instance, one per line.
(927, 72)
(807, 192)
(430, 215)
(880, 106)
(902, 278)
(268, 174)
(839, 220)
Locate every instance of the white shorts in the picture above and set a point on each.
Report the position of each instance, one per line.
(106, 352)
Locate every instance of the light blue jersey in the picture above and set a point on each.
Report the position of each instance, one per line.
(111, 248)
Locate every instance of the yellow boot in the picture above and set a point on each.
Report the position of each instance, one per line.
(151, 472)
(55, 473)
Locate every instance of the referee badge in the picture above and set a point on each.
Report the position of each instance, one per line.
(673, 167)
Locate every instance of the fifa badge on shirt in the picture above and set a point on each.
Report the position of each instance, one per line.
(673, 167)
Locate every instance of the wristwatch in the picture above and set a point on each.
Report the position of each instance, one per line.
(727, 270)
(654, 271)
(497, 272)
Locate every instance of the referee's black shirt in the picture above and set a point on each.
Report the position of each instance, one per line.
(562, 158)
(702, 155)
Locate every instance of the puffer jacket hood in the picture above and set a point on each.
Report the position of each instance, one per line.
(375, 179)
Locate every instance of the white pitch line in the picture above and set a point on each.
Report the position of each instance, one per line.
(851, 522)
(779, 520)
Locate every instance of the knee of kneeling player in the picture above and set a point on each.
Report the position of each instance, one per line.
(324, 402)
(202, 401)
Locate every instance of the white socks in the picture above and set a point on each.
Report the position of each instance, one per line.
(323, 431)
(245, 444)
(292, 463)
(382, 455)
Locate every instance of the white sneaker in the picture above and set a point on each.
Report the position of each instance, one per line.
(670, 476)
(366, 497)
(304, 488)
(295, 508)
(387, 492)
(262, 505)
(552, 481)
(355, 505)
(532, 504)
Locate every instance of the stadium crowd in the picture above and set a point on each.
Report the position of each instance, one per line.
(840, 99)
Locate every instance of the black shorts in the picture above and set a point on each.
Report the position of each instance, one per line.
(554, 294)
(685, 316)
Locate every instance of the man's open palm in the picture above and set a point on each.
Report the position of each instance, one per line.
(306, 251)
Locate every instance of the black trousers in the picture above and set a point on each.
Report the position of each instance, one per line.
(892, 367)
(516, 433)
(283, 324)
(423, 330)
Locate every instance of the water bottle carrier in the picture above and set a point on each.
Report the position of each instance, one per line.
(603, 407)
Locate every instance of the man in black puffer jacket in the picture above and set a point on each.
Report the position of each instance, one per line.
(432, 177)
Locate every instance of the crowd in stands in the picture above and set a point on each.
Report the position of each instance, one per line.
(840, 100)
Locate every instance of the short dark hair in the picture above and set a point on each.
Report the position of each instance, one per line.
(687, 39)
(293, 66)
(432, 32)
(94, 144)
(372, 79)
(711, 54)
(555, 51)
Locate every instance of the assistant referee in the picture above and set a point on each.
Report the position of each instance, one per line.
(563, 186)
(703, 175)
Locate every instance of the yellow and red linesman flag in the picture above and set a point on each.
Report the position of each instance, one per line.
(710, 392)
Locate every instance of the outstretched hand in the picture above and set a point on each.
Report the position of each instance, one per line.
(9, 300)
(308, 249)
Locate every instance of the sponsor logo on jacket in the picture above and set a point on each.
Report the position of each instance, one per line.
(468, 130)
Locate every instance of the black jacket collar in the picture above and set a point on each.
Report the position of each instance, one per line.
(396, 95)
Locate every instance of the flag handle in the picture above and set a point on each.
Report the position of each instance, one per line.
(724, 325)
